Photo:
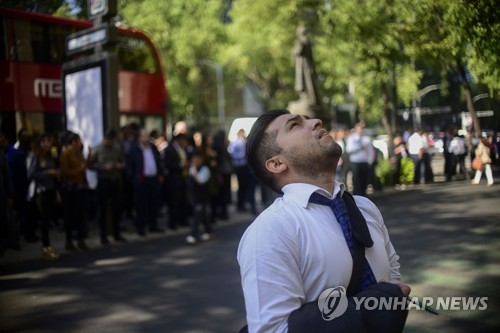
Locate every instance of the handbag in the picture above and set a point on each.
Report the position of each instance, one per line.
(477, 163)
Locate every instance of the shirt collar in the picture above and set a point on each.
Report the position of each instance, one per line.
(301, 192)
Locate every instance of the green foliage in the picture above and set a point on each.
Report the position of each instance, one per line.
(261, 38)
(407, 173)
(383, 171)
(384, 167)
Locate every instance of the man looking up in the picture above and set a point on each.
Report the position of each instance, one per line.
(296, 249)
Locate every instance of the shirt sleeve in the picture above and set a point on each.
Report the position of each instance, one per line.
(367, 207)
(271, 279)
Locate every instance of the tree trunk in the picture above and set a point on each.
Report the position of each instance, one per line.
(387, 111)
(468, 98)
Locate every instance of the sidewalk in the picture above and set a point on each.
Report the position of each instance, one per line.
(32, 251)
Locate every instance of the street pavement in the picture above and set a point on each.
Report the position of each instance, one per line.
(447, 236)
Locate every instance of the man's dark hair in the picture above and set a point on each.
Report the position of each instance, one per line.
(261, 146)
(111, 134)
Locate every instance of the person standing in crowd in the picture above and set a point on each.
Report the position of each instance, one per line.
(128, 138)
(448, 156)
(224, 170)
(198, 194)
(427, 159)
(359, 148)
(416, 150)
(74, 183)
(339, 135)
(19, 160)
(176, 162)
(144, 168)
(484, 150)
(160, 142)
(239, 160)
(45, 173)
(285, 255)
(398, 152)
(495, 151)
(109, 162)
(5, 194)
(210, 160)
(458, 151)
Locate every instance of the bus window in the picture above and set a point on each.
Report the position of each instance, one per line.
(57, 41)
(22, 36)
(136, 55)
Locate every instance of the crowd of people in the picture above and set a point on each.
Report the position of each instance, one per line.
(410, 155)
(133, 173)
(130, 176)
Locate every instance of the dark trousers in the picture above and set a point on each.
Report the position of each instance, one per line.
(419, 168)
(128, 197)
(200, 216)
(176, 201)
(46, 202)
(109, 195)
(223, 197)
(460, 161)
(396, 171)
(242, 174)
(27, 212)
(147, 197)
(448, 165)
(74, 201)
(359, 177)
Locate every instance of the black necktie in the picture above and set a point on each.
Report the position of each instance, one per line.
(340, 211)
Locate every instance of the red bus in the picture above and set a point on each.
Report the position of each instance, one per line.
(32, 51)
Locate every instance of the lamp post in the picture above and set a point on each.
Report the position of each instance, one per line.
(221, 100)
(416, 103)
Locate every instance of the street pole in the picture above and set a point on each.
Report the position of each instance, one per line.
(221, 99)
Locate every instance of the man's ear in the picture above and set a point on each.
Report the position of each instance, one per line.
(276, 164)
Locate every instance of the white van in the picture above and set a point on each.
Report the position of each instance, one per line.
(244, 123)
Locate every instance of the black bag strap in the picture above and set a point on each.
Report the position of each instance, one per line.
(361, 239)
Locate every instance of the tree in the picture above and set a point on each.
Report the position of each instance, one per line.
(261, 40)
(460, 36)
(185, 31)
(364, 45)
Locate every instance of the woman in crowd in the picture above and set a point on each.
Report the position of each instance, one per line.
(45, 174)
(483, 150)
(74, 183)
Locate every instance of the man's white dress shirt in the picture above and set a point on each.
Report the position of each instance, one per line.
(294, 250)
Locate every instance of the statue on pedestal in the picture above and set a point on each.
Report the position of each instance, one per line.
(304, 76)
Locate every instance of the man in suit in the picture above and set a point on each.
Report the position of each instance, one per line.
(176, 169)
(145, 170)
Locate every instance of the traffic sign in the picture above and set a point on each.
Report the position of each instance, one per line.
(89, 38)
(101, 8)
